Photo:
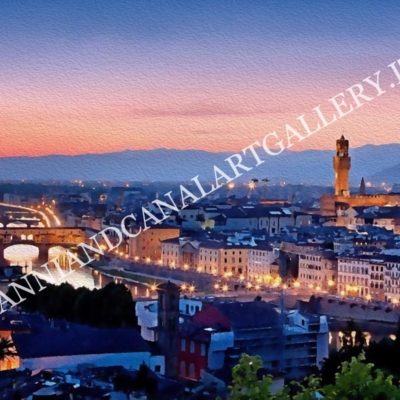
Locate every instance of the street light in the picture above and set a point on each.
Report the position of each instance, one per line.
(153, 287)
(192, 288)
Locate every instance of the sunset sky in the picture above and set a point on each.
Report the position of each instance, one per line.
(99, 76)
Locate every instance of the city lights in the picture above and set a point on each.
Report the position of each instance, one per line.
(153, 287)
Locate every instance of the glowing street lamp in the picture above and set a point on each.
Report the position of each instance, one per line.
(192, 288)
(184, 287)
(225, 288)
(296, 284)
(153, 287)
(185, 267)
(216, 286)
(231, 186)
(249, 285)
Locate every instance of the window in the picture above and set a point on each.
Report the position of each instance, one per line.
(191, 371)
(183, 345)
(157, 368)
(182, 369)
(192, 346)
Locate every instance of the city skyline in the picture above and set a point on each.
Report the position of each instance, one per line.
(80, 79)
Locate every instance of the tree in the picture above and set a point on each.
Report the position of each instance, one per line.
(246, 383)
(6, 349)
(356, 380)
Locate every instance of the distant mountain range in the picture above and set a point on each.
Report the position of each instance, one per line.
(375, 163)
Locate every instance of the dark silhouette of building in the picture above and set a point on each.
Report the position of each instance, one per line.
(362, 187)
(168, 325)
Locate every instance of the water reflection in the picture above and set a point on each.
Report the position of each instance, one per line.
(23, 255)
(93, 279)
(372, 332)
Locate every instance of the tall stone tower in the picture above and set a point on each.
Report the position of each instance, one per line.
(168, 326)
(341, 165)
(362, 191)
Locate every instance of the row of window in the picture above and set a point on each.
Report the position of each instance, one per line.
(353, 270)
(205, 259)
(313, 277)
(310, 266)
(192, 347)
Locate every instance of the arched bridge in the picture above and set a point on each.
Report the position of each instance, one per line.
(42, 238)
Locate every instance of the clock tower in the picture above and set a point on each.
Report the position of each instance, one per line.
(341, 165)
